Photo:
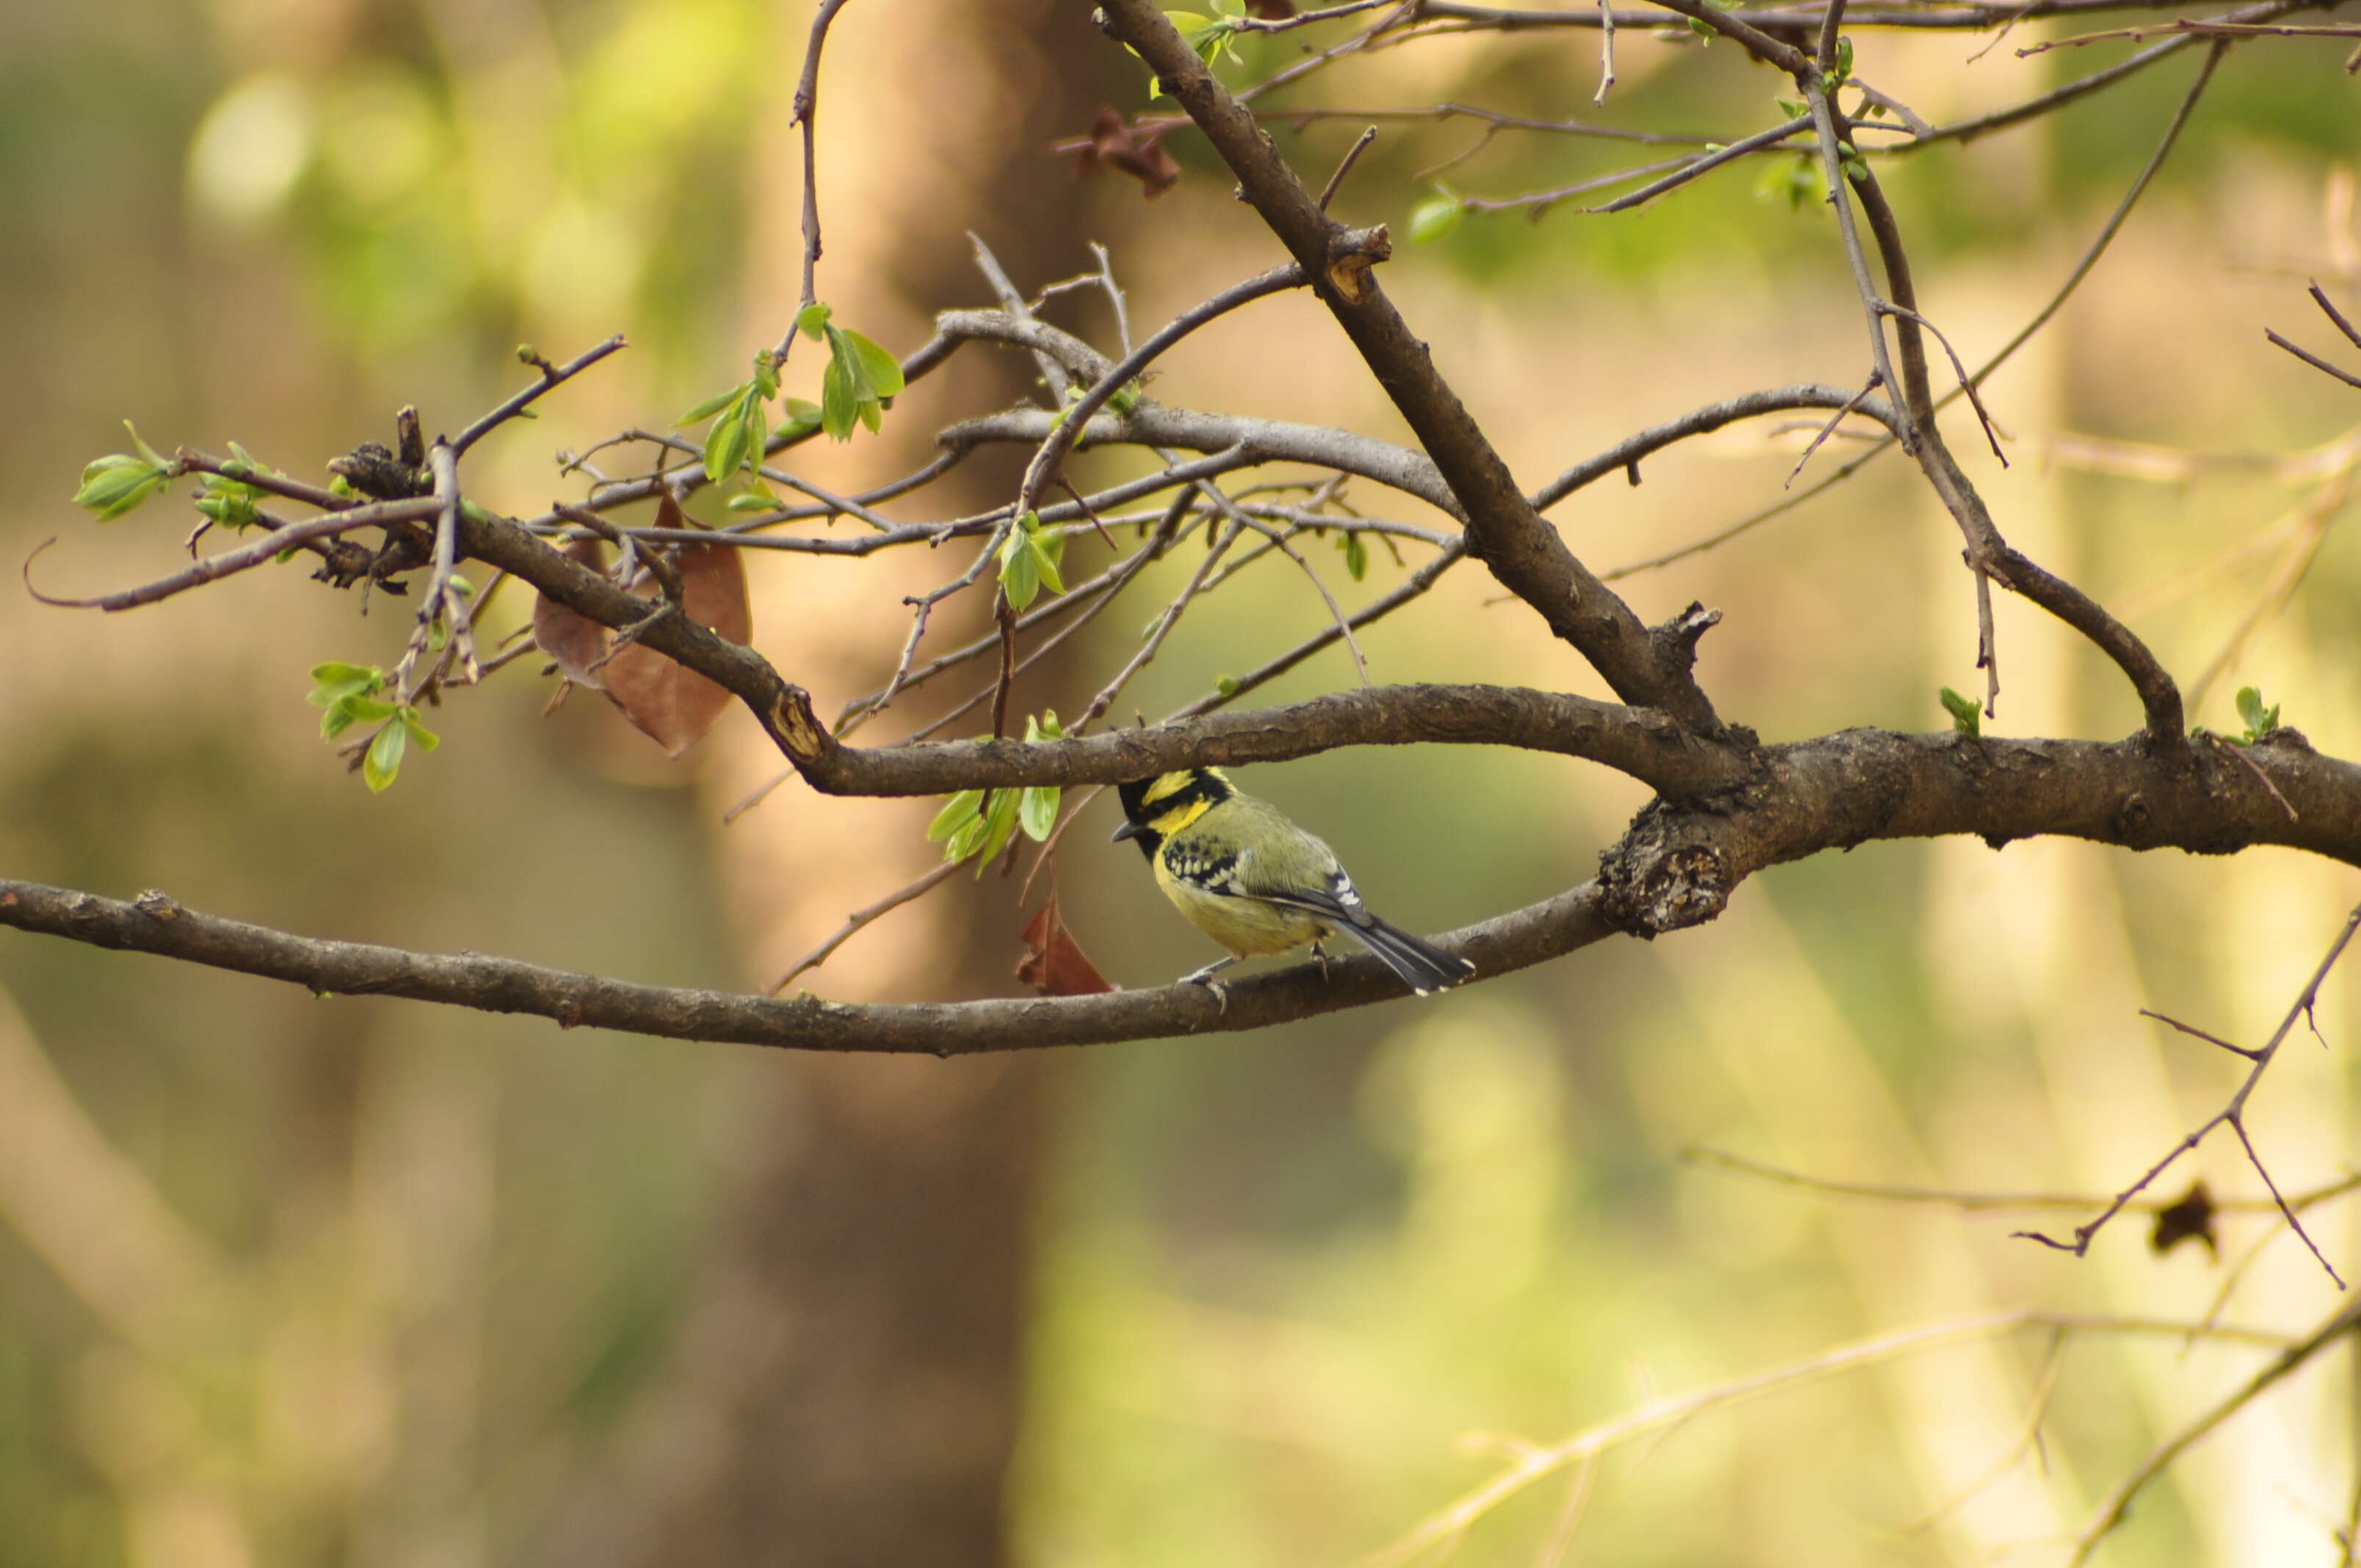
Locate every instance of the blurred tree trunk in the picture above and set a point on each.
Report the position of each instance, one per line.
(845, 1385)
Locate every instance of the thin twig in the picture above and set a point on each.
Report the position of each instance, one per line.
(861, 917)
(1533, 1463)
(213, 568)
(1352, 157)
(551, 375)
(2117, 1502)
(1606, 52)
(2233, 1113)
(1829, 429)
(1971, 1201)
(805, 116)
(1076, 415)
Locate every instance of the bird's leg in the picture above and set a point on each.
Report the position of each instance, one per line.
(1320, 956)
(1205, 977)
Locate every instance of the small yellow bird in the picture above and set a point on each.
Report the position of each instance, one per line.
(1245, 875)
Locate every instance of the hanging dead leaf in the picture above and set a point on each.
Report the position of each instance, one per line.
(1052, 964)
(2190, 1216)
(671, 705)
(571, 638)
(1113, 143)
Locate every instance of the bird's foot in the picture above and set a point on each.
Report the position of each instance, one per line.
(1320, 956)
(1205, 977)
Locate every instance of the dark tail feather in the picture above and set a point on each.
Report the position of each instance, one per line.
(1423, 966)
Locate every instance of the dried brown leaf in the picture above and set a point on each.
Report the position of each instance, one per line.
(571, 638)
(2189, 1218)
(1113, 143)
(673, 705)
(1052, 964)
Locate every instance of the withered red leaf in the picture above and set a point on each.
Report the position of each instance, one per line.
(571, 638)
(671, 704)
(1114, 144)
(1052, 964)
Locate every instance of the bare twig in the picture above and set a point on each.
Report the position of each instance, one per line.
(2118, 1500)
(1969, 1201)
(861, 917)
(213, 568)
(2233, 1113)
(805, 116)
(1535, 1463)
(2203, 28)
(1606, 52)
(1352, 156)
(551, 375)
(1077, 415)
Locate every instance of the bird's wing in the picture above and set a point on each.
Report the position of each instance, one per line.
(1336, 899)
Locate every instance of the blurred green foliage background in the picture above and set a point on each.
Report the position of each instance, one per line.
(292, 1281)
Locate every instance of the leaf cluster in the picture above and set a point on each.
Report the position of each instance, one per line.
(979, 823)
(116, 483)
(860, 383)
(353, 694)
(1029, 559)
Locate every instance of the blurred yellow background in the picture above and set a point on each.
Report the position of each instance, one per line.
(293, 1281)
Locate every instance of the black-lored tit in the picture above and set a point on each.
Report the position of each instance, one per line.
(1253, 881)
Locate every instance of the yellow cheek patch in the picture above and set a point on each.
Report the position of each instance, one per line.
(1179, 817)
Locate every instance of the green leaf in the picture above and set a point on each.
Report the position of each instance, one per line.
(751, 501)
(712, 405)
(1967, 718)
(347, 711)
(337, 680)
(802, 418)
(1227, 685)
(1794, 108)
(155, 458)
(878, 371)
(427, 739)
(383, 759)
(1020, 573)
(999, 822)
(1356, 556)
(1047, 549)
(2260, 721)
(840, 400)
(757, 420)
(1436, 218)
(812, 319)
(116, 483)
(1037, 811)
(725, 443)
(1844, 60)
(957, 811)
(1044, 727)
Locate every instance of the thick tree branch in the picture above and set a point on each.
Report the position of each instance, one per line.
(1677, 867)
(1519, 547)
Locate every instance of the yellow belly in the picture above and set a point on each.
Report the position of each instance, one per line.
(1246, 927)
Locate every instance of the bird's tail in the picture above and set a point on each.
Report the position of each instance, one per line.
(1423, 966)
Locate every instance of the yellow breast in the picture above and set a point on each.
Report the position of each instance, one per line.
(1246, 927)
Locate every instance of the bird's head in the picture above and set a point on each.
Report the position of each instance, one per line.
(1154, 809)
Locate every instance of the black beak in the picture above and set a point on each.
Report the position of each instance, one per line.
(1128, 830)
